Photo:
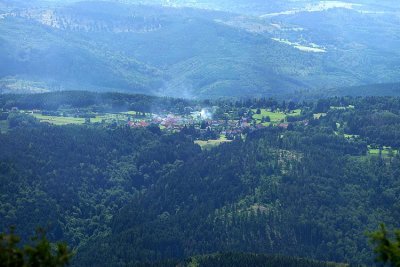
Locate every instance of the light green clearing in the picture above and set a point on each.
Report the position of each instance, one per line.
(3, 126)
(98, 119)
(317, 116)
(222, 137)
(296, 112)
(61, 120)
(206, 145)
(385, 151)
(342, 108)
(58, 120)
(274, 116)
(349, 136)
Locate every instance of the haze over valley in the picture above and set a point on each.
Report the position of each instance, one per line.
(197, 49)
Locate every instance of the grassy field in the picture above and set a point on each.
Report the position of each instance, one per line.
(349, 136)
(3, 126)
(59, 120)
(98, 119)
(342, 108)
(275, 117)
(386, 151)
(296, 112)
(317, 116)
(206, 145)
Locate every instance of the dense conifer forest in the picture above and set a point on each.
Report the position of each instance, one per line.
(121, 196)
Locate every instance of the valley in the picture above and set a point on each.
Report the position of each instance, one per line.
(191, 52)
(199, 133)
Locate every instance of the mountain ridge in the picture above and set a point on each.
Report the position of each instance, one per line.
(186, 51)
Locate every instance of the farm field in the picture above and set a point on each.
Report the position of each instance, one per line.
(386, 151)
(60, 120)
(275, 116)
(56, 120)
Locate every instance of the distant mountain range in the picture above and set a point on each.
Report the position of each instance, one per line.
(197, 49)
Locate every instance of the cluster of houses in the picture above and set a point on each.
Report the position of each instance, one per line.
(173, 122)
(232, 129)
(201, 121)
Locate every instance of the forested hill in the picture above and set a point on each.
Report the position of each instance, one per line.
(195, 52)
(310, 186)
(384, 89)
(105, 102)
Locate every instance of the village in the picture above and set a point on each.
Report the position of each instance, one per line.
(205, 124)
(208, 127)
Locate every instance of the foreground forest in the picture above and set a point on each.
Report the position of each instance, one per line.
(121, 196)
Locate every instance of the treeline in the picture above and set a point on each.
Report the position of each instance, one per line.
(121, 102)
(241, 259)
(145, 103)
(97, 101)
(369, 90)
(248, 259)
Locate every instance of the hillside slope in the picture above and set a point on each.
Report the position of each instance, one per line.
(123, 196)
(186, 52)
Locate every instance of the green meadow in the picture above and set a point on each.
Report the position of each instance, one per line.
(349, 136)
(317, 116)
(61, 120)
(207, 145)
(386, 151)
(275, 116)
(56, 120)
(342, 108)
